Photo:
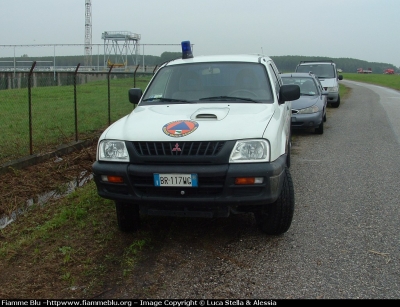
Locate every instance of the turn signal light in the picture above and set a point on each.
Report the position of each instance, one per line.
(113, 179)
(249, 180)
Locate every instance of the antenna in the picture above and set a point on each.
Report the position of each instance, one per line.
(88, 33)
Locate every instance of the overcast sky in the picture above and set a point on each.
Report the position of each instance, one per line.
(361, 29)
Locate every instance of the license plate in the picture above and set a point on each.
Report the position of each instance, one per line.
(175, 180)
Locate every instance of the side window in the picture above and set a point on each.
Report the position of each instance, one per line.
(320, 86)
(276, 79)
(160, 84)
(335, 72)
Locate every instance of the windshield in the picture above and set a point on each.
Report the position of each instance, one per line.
(307, 85)
(320, 70)
(209, 82)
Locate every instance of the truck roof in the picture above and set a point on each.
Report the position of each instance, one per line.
(252, 58)
(317, 62)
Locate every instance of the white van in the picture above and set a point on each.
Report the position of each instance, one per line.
(327, 75)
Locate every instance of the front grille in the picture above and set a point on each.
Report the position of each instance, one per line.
(178, 148)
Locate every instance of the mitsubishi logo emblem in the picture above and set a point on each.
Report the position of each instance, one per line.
(176, 148)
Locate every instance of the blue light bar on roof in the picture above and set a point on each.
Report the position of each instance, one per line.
(186, 50)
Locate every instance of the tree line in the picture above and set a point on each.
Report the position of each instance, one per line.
(285, 63)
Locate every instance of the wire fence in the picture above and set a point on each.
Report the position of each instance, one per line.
(51, 57)
(43, 111)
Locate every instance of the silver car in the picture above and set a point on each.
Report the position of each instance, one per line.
(309, 111)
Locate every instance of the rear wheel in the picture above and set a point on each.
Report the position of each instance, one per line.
(276, 218)
(128, 216)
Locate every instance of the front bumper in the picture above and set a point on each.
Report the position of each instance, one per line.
(333, 96)
(216, 194)
(304, 121)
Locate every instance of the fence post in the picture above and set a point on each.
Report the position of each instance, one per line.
(75, 104)
(134, 76)
(30, 107)
(109, 100)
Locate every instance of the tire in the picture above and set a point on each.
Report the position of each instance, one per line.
(336, 104)
(128, 216)
(288, 157)
(325, 118)
(276, 218)
(320, 128)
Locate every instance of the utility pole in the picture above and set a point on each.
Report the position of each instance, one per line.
(88, 34)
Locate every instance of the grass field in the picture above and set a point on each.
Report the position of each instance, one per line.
(53, 119)
(391, 81)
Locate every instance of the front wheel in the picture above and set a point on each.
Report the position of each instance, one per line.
(276, 218)
(336, 104)
(320, 128)
(128, 216)
(289, 150)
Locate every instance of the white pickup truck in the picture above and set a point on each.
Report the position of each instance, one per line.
(210, 137)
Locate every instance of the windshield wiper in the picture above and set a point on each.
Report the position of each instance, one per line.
(224, 98)
(166, 99)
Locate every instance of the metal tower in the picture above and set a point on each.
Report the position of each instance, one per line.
(121, 43)
(88, 33)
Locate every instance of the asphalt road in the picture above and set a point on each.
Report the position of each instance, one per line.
(344, 242)
(347, 223)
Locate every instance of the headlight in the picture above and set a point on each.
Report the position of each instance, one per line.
(309, 110)
(250, 151)
(110, 150)
(333, 89)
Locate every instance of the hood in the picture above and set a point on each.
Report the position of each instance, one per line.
(328, 82)
(304, 102)
(192, 122)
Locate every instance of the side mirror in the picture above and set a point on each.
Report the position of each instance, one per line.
(340, 77)
(134, 95)
(289, 92)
